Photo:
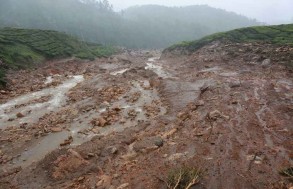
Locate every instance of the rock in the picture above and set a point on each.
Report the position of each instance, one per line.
(159, 142)
(214, 115)
(148, 144)
(112, 149)
(199, 103)
(56, 129)
(183, 115)
(91, 155)
(154, 83)
(169, 133)
(124, 186)
(3, 92)
(102, 122)
(105, 181)
(176, 156)
(117, 108)
(80, 179)
(235, 84)
(75, 154)
(19, 115)
(266, 62)
(105, 104)
(234, 102)
(67, 141)
(130, 156)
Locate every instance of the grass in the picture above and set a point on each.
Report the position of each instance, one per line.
(281, 35)
(288, 173)
(183, 178)
(22, 48)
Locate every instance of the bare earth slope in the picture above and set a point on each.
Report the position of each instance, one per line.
(126, 121)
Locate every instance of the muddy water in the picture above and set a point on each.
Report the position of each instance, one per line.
(81, 130)
(119, 72)
(158, 69)
(32, 112)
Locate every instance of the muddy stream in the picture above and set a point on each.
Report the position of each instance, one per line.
(23, 110)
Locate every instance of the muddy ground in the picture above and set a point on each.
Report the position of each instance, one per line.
(128, 120)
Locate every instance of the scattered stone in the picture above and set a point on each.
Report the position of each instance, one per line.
(199, 103)
(80, 179)
(3, 92)
(169, 133)
(266, 62)
(91, 155)
(19, 115)
(56, 129)
(123, 186)
(102, 122)
(148, 144)
(177, 156)
(158, 142)
(105, 181)
(214, 115)
(67, 141)
(235, 84)
(112, 149)
(130, 156)
(183, 115)
(117, 108)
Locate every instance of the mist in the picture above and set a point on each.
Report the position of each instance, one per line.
(268, 11)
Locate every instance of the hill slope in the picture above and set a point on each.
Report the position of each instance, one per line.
(281, 35)
(21, 48)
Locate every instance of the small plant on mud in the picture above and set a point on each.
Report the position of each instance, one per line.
(288, 173)
(183, 178)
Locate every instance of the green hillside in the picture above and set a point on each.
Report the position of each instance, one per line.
(22, 48)
(281, 35)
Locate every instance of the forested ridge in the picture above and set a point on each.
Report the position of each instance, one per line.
(148, 26)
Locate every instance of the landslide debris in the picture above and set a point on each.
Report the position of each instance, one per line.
(220, 117)
(23, 48)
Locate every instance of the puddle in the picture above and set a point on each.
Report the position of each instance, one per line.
(214, 69)
(32, 112)
(48, 80)
(119, 72)
(228, 74)
(153, 59)
(151, 65)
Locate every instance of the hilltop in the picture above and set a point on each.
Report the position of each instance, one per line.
(23, 48)
(278, 35)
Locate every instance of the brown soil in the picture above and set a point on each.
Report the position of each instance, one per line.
(226, 109)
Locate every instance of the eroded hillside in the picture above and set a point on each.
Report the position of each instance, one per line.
(219, 117)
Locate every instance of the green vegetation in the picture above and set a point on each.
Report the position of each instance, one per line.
(288, 173)
(22, 48)
(183, 178)
(148, 26)
(281, 35)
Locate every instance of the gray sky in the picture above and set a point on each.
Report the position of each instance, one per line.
(269, 11)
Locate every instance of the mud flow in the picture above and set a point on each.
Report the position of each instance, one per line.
(128, 120)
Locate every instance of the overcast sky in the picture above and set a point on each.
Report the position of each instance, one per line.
(269, 11)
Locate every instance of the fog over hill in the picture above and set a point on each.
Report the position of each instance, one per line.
(149, 26)
(268, 11)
